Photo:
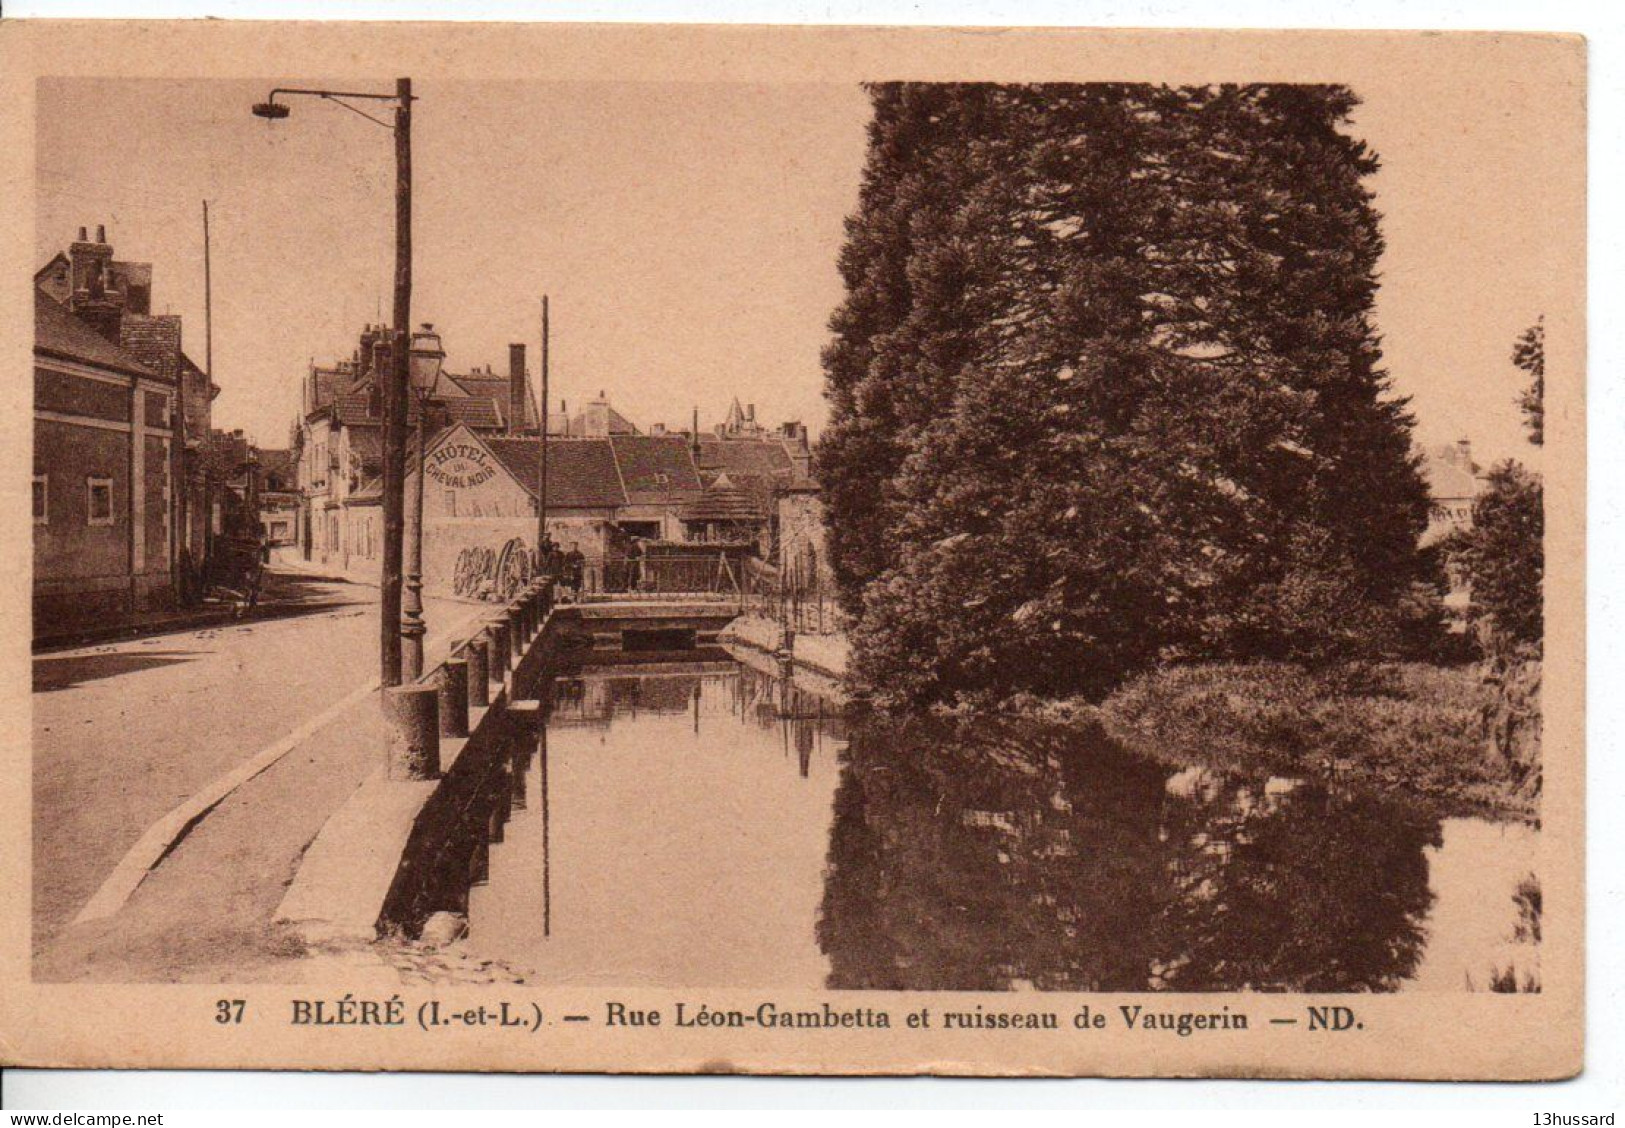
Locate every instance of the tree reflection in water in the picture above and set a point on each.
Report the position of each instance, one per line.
(998, 855)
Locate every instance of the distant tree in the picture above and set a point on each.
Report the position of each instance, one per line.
(1105, 373)
(1529, 354)
(1504, 559)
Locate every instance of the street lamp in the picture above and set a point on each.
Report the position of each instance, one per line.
(423, 362)
(389, 594)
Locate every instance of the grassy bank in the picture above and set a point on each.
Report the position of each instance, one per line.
(1405, 728)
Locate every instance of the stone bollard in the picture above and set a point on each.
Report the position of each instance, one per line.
(412, 732)
(479, 671)
(516, 635)
(453, 686)
(496, 631)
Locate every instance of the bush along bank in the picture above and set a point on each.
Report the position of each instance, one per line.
(1442, 735)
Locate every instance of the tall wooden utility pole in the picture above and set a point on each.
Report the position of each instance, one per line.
(395, 392)
(395, 385)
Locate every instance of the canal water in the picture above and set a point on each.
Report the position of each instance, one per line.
(705, 823)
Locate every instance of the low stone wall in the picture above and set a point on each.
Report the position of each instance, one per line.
(400, 849)
(823, 654)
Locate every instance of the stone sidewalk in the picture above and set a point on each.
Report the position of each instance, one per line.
(165, 723)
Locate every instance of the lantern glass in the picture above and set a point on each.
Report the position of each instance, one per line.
(425, 358)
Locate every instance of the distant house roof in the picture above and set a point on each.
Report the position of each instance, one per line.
(189, 368)
(361, 406)
(1450, 474)
(481, 413)
(581, 473)
(155, 340)
(277, 463)
(226, 453)
(359, 409)
(494, 388)
(656, 468)
(60, 334)
(723, 500)
(758, 457)
(618, 424)
(328, 383)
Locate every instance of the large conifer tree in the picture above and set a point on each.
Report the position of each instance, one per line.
(1105, 388)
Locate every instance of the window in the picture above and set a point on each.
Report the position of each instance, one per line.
(42, 493)
(100, 508)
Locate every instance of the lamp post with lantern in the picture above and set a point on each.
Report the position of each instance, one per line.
(425, 359)
(395, 386)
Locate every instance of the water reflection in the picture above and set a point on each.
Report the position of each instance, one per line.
(1001, 856)
(667, 825)
(712, 824)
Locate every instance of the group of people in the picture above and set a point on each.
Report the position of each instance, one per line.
(566, 567)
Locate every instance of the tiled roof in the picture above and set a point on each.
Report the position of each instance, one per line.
(481, 414)
(725, 501)
(360, 409)
(494, 388)
(328, 383)
(129, 274)
(764, 458)
(656, 468)
(154, 340)
(60, 334)
(581, 473)
(225, 453)
(356, 409)
(189, 368)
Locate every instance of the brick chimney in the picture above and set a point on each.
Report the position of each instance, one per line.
(96, 298)
(516, 388)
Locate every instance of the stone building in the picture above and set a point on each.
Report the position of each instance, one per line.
(278, 495)
(604, 493)
(338, 444)
(121, 415)
(122, 312)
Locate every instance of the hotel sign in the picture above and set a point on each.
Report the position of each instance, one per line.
(460, 465)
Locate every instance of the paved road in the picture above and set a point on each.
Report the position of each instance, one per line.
(125, 732)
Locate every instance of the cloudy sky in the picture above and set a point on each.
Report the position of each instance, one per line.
(687, 234)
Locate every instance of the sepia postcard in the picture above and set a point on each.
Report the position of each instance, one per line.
(793, 550)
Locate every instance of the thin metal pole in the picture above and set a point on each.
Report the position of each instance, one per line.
(208, 302)
(547, 837)
(394, 388)
(541, 483)
(413, 627)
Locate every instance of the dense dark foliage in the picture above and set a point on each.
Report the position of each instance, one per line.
(1529, 354)
(1503, 553)
(1504, 558)
(1105, 391)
